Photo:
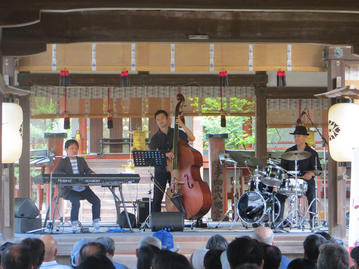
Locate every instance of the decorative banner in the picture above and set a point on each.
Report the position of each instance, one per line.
(343, 130)
(53, 57)
(289, 57)
(354, 201)
(211, 57)
(173, 55)
(12, 118)
(93, 56)
(250, 57)
(133, 57)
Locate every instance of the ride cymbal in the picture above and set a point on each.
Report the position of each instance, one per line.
(296, 155)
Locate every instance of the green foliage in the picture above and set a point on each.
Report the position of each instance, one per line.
(43, 106)
(237, 138)
(213, 105)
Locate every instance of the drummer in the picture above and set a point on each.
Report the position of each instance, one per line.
(307, 166)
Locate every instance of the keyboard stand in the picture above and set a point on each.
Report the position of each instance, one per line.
(118, 201)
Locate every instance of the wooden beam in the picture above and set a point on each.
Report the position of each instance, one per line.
(292, 92)
(18, 49)
(26, 79)
(176, 26)
(261, 125)
(17, 17)
(25, 185)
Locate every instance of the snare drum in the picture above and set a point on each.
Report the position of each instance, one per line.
(289, 187)
(274, 176)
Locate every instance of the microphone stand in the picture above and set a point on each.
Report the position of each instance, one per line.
(324, 144)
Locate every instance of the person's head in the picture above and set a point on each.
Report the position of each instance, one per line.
(325, 235)
(95, 262)
(217, 241)
(197, 258)
(333, 256)
(17, 256)
(71, 147)
(354, 254)
(145, 256)
(109, 245)
(167, 240)
(150, 240)
(300, 135)
(50, 247)
(75, 252)
(244, 250)
(264, 235)
(248, 266)
(161, 117)
(37, 250)
(166, 259)
(272, 257)
(311, 246)
(91, 249)
(212, 259)
(300, 263)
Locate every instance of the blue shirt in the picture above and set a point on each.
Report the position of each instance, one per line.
(284, 262)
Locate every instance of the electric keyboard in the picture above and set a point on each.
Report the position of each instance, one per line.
(92, 179)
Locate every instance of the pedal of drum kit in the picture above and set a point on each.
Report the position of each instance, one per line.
(275, 195)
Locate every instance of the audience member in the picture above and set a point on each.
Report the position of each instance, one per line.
(224, 260)
(265, 235)
(37, 248)
(217, 241)
(212, 259)
(354, 254)
(145, 256)
(50, 254)
(75, 252)
(109, 245)
(248, 266)
(149, 241)
(17, 256)
(272, 257)
(333, 256)
(167, 241)
(97, 262)
(311, 246)
(244, 250)
(166, 259)
(92, 249)
(301, 263)
(197, 258)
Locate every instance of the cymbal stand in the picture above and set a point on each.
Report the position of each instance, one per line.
(147, 222)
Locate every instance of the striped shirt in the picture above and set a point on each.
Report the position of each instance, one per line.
(75, 170)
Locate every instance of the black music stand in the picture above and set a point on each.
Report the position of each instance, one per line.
(149, 158)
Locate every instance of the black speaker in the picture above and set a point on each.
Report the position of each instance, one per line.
(23, 225)
(142, 209)
(25, 208)
(122, 220)
(171, 221)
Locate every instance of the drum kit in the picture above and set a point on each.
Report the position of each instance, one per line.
(274, 195)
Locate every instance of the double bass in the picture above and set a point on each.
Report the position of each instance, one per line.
(188, 193)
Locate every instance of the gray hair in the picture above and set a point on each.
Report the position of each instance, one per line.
(333, 256)
(108, 243)
(150, 241)
(217, 242)
(263, 235)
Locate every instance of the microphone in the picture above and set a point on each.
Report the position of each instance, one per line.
(299, 120)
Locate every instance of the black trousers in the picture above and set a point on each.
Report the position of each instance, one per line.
(90, 196)
(161, 179)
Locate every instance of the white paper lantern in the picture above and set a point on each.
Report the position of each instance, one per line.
(343, 129)
(12, 118)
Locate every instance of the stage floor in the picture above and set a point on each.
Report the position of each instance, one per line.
(290, 242)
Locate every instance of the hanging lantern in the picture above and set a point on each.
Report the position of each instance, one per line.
(12, 118)
(343, 130)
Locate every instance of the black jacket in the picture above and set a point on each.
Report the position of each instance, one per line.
(65, 167)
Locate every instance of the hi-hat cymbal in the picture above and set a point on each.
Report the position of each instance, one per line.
(296, 155)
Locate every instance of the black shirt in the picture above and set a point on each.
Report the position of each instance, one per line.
(164, 142)
(303, 165)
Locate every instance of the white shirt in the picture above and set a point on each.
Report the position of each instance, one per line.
(53, 265)
(75, 170)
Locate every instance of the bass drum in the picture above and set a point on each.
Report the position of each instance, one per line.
(254, 207)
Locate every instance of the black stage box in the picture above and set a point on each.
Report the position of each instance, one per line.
(171, 221)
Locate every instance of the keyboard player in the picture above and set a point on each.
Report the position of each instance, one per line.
(72, 164)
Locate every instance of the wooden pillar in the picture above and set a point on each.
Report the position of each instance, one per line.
(247, 129)
(261, 124)
(83, 135)
(336, 185)
(152, 126)
(25, 183)
(217, 175)
(96, 127)
(116, 132)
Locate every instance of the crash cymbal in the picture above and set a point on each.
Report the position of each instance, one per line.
(245, 159)
(296, 155)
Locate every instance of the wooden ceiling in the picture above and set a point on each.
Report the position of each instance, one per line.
(29, 25)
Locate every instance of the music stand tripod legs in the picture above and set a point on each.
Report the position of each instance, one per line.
(148, 222)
